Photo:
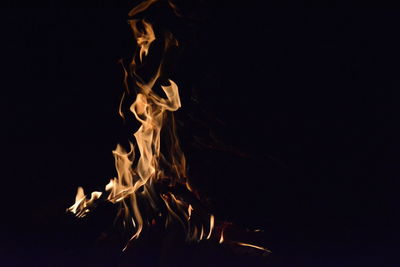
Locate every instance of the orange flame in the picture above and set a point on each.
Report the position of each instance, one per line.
(253, 246)
(134, 186)
(135, 180)
(81, 202)
(143, 38)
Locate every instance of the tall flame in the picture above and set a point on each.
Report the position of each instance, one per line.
(135, 181)
(136, 187)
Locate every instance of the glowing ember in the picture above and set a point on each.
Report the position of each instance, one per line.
(252, 246)
(137, 186)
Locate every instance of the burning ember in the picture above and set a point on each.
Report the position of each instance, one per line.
(151, 187)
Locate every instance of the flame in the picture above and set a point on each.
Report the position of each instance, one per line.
(144, 167)
(221, 239)
(139, 168)
(211, 226)
(141, 7)
(80, 208)
(253, 246)
(144, 37)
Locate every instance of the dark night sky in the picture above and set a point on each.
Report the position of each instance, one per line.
(308, 95)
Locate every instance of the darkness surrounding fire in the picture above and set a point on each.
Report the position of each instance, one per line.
(288, 121)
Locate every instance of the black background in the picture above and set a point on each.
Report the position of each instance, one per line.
(297, 108)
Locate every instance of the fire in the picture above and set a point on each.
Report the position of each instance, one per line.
(81, 203)
(135, 184)
(147, 177)
(253, 246)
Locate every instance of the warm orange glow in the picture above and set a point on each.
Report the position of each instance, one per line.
(144, 38)
(136, 179)
(221, 239)
(211, 226)
(80, 208)
(141, 7)
(190, 209)
(144, 167)
(253, 246)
